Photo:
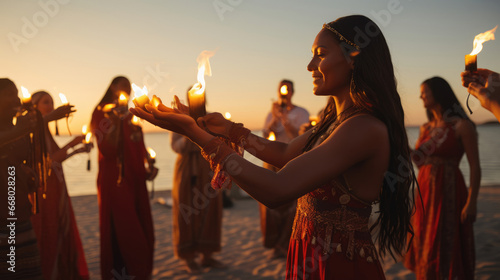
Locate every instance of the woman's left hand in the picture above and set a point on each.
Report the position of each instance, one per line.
(469, 212)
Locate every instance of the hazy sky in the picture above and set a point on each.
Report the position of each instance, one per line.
(76, 47)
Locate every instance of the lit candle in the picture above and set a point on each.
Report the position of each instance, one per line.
(141, 96)
(135, 120)
(227, 116)
(84, 129)
(271, 136)
(64, 101)
(155, 101)
(26, 96)
(284, 93)
(471, 59)
(152, 153)
(108, 107)
(196, 95)
(196, 101)
(88, 137)
(122, 100)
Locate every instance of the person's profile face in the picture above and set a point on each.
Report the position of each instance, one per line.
(9, 101)
(426, 96)
(329, 67)
(45, 105)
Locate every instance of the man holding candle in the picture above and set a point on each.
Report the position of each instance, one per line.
(284, 120)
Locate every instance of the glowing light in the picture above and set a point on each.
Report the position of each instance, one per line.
(64, 101)
(26, 95)
(481, 38)
(152, 153)
(284, 90)
(271, 136)
(227, 115)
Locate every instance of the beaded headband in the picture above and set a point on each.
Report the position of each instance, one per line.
(340, 36)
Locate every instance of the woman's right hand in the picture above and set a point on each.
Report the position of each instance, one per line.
(215, 124)
(60, 112)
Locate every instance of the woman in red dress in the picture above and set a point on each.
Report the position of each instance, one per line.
(443, 245)
(61, 250)
(357, 155)
(127, 234)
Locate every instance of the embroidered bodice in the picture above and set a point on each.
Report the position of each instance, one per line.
(335, 220)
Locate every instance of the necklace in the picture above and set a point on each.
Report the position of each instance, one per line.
(339, 119)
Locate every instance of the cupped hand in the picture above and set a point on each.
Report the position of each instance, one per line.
(469, 213)
(215, 124)
(61, 112)
(167, 118)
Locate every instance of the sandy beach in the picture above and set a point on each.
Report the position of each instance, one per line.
(242, 248)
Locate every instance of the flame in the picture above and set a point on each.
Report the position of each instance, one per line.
(271, 137)
(156, 101)
(227, 115)
(284, 90)
(151, 152)
(135, 120)
(108, 107)
(88, 137)
(84, 129)
(138, 91)
(203, 69)
(26, 94)
(313, 123)
(64, 101)
(123, 98)
(481, 38)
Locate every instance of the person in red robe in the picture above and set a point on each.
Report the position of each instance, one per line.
(61, 249)
(443, 245)
(356, 156)
(126, 224)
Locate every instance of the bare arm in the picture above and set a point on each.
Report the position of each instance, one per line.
(468, 135)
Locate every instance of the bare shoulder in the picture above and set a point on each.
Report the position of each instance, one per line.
(465, 127)
(366, 125)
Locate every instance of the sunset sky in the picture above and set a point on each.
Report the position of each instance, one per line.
(76, 47)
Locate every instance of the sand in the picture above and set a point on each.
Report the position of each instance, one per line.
(242, 248)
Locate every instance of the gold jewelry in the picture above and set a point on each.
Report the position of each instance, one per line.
(341, 37)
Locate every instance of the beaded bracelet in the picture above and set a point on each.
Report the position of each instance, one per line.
(216, 153)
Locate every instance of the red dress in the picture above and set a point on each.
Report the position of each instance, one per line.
(127, 234)
(61, 250)
(443, 246)
(331, 239)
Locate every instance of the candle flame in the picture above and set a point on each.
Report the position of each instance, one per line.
(84, 129)
(135, 120)
(284, 90)
(271, 136)
(64, 101)
(88, 137)
(481, 38)
(25, 92)
(108, 107)
(203, 69)
(227, 115)
(123, 97)
(138, 91)
(151, 152)
(313, 123)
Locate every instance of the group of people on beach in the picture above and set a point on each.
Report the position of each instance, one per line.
(329, 176)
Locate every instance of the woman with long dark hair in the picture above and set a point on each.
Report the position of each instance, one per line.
(357, 155)
(61, 250)
(127, 234)
(443, 247)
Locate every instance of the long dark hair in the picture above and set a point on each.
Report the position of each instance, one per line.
(444, 96)
(109, 96)
(373, 89)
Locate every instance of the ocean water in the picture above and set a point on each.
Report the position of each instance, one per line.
(83, 182)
